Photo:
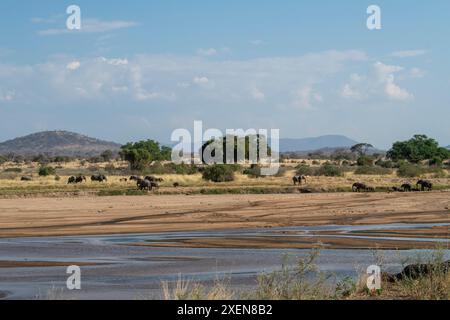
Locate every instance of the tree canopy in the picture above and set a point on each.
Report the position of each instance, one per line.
(239, 143)
(143, 153)
(419, 148)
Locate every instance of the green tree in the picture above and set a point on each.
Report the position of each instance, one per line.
(361, 148)
(46, 171)
(419, 148)
(107, 155)
(143, 153)
(238, 143)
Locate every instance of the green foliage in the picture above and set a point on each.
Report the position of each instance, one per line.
(46, 171)
(361, 148)
(3, 159)
(329, 170)
(107, 155)
(372, 170)
(419, 148)
(408, 170)
(218, 173)
(241, 146)
(170, 168)
(435, 161)
(385, 163)
(304, 170)
(254, 171)
(141, 154)
(365, 161)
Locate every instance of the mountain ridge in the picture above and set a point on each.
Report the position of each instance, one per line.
(57, 143)
(315, 143)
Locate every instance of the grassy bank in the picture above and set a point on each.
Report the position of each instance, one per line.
(306, 282)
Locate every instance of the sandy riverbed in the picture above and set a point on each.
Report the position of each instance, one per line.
(141, 214)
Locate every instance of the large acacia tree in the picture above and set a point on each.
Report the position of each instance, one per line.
(143, 153)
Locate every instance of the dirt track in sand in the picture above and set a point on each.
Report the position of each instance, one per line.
(111, 215)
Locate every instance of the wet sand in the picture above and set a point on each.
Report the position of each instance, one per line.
(39, 217)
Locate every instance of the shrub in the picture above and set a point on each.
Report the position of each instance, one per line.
(408, 170)
(373, 170)
(385, 163)
(315, 162)
(365, 161)
(304, 170)
(435, 161)
(329, 170)
(46, 171)
(218, 173)
(254, 171)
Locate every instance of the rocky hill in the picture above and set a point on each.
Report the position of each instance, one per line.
(57, 143)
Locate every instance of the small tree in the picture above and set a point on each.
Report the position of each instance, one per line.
(46, 171)
(107, 155)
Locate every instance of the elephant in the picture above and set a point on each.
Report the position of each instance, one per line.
(358, 186)
(144, 184)
(78, 179)
(176, 184)
(26, 179)
(415, 271)
(99, 178)
(406, 187)
(425, 185)
(298, 179)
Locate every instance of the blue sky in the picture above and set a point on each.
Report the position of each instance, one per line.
(140, 69)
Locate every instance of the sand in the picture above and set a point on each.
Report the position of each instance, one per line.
(118, 215)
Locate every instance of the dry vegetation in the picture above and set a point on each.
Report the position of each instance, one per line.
(11, 185)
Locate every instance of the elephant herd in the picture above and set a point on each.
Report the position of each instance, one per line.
(147, 183)
(421, 185)
(80, 179)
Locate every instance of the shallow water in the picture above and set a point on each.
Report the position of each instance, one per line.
(124, 271)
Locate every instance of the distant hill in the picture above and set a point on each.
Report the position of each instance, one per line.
(311, 144)
(448, 147)
(57, 143)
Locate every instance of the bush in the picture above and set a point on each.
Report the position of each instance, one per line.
(329, 170)
(218, 173)
(46, 171)
(385, 163)
(373, 170)
(304, 170)
(254, 171)
(435, 161)
(408, 170)
(365, 161)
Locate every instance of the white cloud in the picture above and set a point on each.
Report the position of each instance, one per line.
(91, 26)
(115, 62)
(305, 97)
(257, 94)
(74, 65)
(386, 76)
(7, 96)
(171, 79)
(381, 82)
(408, 53)
(207, 52)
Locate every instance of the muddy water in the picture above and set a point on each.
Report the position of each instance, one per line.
(117, 269)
